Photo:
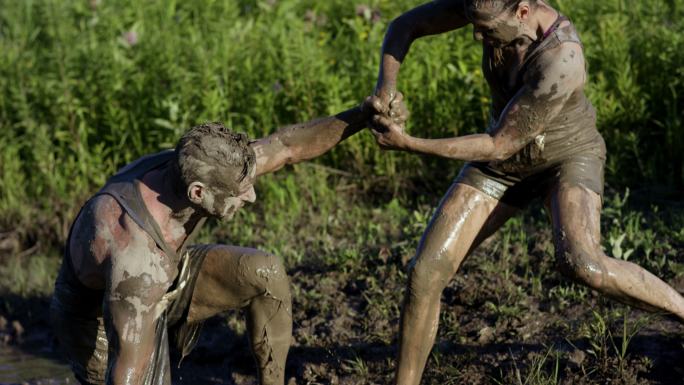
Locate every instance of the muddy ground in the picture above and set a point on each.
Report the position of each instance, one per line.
(507, 318)
(345, 326)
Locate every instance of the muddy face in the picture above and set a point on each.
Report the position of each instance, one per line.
(226, 185)
(218, 159)
(499, 31)
(495, 23)
(222, 204)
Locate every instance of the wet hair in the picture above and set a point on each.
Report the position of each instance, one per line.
(492, 8)
(214, 155)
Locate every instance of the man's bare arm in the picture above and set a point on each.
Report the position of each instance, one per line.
(304, 141)
(560, 74)
(428, 19)
(135, 288)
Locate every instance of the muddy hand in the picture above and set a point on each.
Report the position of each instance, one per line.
(397, 110)
(388, 134)
(375, 105)
(382, 99)
(391, 105)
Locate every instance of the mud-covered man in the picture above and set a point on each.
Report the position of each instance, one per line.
(541, 142)
(129, 285)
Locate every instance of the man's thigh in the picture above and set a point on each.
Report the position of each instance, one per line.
(231, 277)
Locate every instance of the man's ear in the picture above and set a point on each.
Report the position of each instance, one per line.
(523, 11)
(196, 192)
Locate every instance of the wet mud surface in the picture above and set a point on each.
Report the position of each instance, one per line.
(508, 317)
(500, 323)
(28, 355)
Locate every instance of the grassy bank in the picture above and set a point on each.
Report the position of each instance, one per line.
(86, 86)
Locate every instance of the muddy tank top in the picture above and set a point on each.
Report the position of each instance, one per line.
(124, 187)
(70, 292)
(573, 131)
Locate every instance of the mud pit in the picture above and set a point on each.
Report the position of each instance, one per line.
(507, 312)
(499, 322)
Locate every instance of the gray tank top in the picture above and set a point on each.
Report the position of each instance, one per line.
(72, 297)
(124, 188)
(573, 131)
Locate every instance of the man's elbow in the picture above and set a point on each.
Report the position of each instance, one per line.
(292, 155)
(401, 28)
(397, 25)
(501, 151)
(501, 155)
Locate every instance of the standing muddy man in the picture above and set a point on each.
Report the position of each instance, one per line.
(541, 142)
(129, 285)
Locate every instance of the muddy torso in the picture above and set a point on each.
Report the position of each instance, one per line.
(88, 257)
(571, 132)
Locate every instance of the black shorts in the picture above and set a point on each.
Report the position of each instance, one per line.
(519, 190)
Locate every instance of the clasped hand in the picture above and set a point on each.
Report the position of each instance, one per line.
(387, 122)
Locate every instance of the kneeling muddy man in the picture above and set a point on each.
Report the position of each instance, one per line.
(129, 284)
(542, 142)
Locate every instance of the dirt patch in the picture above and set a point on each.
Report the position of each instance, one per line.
(507, 317)
(501, 322)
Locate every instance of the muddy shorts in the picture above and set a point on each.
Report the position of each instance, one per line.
(519, 190)
(82, 337)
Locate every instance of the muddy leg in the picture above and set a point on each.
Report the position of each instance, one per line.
(464, 218)
(236, 277)
(576, 219)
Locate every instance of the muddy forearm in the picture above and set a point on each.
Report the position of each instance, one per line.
(128, 360)
(432, 18)
(300, 142)
(396, 45)
(130, 333)
(134, 302)
(126, 371)
(477, 147)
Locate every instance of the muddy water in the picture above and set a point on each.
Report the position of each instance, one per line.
(34, 367)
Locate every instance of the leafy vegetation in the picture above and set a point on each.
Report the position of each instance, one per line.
(87, 86)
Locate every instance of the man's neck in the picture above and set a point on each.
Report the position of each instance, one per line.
(167, 204)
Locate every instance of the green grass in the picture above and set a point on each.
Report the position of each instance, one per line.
(78, 100)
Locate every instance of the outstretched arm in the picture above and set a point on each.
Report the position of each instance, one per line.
(428, 19)
(559, 74)
(303, 141)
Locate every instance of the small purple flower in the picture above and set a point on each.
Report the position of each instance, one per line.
(131, 38)
(375, 16)
(277, 87)
(313, 18)
(368, 13)
(363, 10)
(310, 16)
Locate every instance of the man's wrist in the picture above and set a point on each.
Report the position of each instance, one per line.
(407, 142)
(386, 88)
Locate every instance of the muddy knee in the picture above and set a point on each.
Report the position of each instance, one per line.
(428, 277)
(269, 315)
(267, 274)
(581, 265)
